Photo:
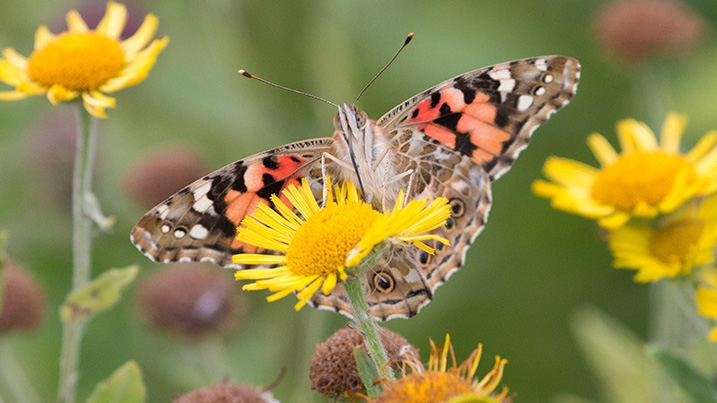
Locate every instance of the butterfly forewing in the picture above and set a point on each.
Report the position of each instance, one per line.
(199, 223)
(489, 114)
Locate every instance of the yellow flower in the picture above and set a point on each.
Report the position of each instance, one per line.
(706, 298)
(440, 384)
(316, 248)
(83, 62)
(647, 178)
(672, 247)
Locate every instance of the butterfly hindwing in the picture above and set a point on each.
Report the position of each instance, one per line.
(199, 223)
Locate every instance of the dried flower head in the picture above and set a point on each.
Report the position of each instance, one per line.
(637, 29)
(162, 173)
(190, 299)
(227, 393)
(440, 383)
(333, 367)
(23, 301)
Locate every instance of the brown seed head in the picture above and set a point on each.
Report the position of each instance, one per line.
(23, 301)
(163, 173)
(190, 300)
(227, 393)
(637, 29)
(333, 367)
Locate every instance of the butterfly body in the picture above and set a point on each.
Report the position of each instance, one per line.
(449, 141)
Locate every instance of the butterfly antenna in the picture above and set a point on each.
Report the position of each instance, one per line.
(249, 75)
(408, 39)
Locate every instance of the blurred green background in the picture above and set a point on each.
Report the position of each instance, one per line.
(525, 276)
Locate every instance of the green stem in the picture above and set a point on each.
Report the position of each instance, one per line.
(18, 385)
(81, 249)
(367, 326)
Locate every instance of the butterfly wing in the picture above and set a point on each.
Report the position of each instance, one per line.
(457, 137)
(199, 222)
(489, 114)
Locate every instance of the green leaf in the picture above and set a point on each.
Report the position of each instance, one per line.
(98, 295)
(616, 355)
(367, 371)
(124, 385)
(692, 381)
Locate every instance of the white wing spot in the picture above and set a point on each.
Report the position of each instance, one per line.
(548, 78)
(165, 228)
(202, 204)
(162, 211)
(506, 85)
(540, 90)
(500, 74)
(202, 191)
(198, 232)
(524, 102)
(180, 233)
(541, 64)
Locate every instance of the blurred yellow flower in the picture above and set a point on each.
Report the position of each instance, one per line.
(440, 384)
(82, 62)
(316, 249)
(677, 243)
(706, 298)
(647, 178)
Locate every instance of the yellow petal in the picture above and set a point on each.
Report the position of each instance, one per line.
(58, 93)
(252, 259)
(113, 22)
(614, 221)
(12, 95)
(75, 23)
(705, 143)
(42, 37)
(569, 172)
(141, 38)
(672, 131)
(602, 149)
(15, 59)
(10, 74)
(636, 136)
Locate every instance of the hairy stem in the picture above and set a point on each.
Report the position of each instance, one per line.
(367, 326)
(81, 249)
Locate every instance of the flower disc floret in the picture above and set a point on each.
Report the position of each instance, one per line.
(641, 178)
(76, 61)
(323, 241)
(671, 248)
(83, 62)
(646, 179)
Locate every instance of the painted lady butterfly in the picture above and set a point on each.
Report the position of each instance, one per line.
(452, 141)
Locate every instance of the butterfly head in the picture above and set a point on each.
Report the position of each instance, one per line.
(350, 122)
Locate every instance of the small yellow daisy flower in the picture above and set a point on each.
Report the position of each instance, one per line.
(317, 248)
(706, 298)
(440, 384)
(678, 243)
(647, 178)
(83, 62)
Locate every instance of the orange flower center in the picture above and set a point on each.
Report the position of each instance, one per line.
(677, 242)
(77, 61)
(425, 387)
(640, 177)
(322, 243)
